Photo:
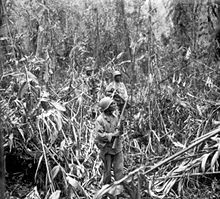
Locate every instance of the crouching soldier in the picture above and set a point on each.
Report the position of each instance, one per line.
(108, 140)
(117, 90)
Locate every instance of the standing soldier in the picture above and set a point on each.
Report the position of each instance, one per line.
(117, 90)
(105, 134)
(91, 83)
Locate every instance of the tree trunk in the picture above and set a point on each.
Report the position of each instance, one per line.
(1, 35)
(122, 27)
(2, 168)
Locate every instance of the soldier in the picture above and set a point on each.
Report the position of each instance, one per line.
(91, 83)
(117, 90)
(105, 134)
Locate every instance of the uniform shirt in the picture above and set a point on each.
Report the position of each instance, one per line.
(120, 87)
(107, 124)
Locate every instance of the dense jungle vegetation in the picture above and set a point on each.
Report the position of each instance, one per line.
(168, 52)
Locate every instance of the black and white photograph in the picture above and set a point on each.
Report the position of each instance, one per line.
(109, 99)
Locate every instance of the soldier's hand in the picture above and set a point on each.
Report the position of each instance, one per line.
(116, 133)
(109, 137)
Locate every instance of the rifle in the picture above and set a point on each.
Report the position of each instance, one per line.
(119, 124)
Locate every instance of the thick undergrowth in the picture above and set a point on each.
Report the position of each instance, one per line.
(48, 104)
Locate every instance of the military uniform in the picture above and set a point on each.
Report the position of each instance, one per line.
(104, 126)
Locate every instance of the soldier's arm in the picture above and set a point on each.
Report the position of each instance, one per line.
(101, 135)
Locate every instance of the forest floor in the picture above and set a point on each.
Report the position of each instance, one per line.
(18, 187)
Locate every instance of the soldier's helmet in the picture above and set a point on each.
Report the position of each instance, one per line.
(116, 73)
(105, 103)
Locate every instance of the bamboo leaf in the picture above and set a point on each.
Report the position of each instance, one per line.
(73, 182)
(120, 55)
(55, 195)
(22, 133)
(188, 53)
(38, 166)
(59, 121)
(161, 188)
(169, 186)
(33, 194)
(76, 185)
(63, 145)
(215, 158)
(32, 77)
(137, 116)
(213, 161)
(55, 171)
(204, 160)
(178, 144)
(58, 106)
(151, 193)
(102, 192)
(10, 140)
